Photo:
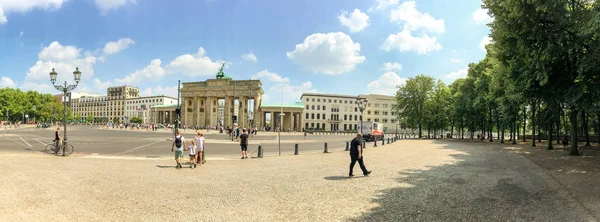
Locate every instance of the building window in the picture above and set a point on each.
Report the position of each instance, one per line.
(385, 113)
(355, 109)
(324, 116)
(393, 120)
(312, 116)
(350, 117)
(329, 100)
(385, 105)
(346, 101)
(323, 126)
(319, 100)
(368, 104)
(345, 118)
(369, 112)
(376, 120)
(318, 107)
(368, 119)
(306, 106)
(313, 99)
(312, 125)
(306, 126)
(335, 101)
(376, 113)
(318, 116)
(385, 120)
(307, 116)
(313, 107)
(345, 127)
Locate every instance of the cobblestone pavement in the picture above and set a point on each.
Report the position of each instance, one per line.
(412, 180)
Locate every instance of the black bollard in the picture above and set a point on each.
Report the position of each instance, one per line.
(375, 143)
(364, 144)
(347, 146)
(383, 141)
(388, 140)
(296, 149)
(260, 152)
(325, 149)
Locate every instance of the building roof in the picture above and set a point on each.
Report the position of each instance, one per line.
(148, 97)
(296, 105)
(165, 106)
(328, 95)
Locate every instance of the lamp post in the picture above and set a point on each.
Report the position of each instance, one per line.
(362, 104)
(65, 89)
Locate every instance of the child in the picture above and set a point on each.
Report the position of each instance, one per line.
(192, 149)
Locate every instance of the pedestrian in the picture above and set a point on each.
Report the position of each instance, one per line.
(199, 140)
(237, 133)
(356, 155)
(192, 149)
(244, 144)
(177, 146)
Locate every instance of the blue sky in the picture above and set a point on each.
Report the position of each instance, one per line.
(334, 46)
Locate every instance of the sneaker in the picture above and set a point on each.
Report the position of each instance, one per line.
(350, 175)
(367, 173)
(194, 165)
(242, 158)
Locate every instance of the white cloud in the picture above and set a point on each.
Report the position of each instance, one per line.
(453, 60)
(57, 52)
(291, 93)
(64, 59)
(194, 65)
(106, 5)
(404, 41)
(330, 54)
(250, 57)
(270, 76)
(21, 33)
(22, 6)
(481, 17)
(386, 84)
(101, 85)
(384, 4)
(462, 73)
(3, 19)
(485, 41)
(388, 66)
(149, 73)
(119, 45)
(356, 21)
(408, 15)
(160, 90)
(6, 82)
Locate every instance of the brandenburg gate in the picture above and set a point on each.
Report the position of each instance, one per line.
(200, 101)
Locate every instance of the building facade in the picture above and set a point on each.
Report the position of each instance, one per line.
(140, 107)
(104, 108)
(333, 112)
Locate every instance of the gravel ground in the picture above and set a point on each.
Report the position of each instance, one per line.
(412, 180)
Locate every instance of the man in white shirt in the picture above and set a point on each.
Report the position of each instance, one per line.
(199, 140)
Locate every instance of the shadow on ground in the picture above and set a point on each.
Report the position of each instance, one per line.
(485, 184)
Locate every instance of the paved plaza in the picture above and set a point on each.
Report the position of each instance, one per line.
(412, 180)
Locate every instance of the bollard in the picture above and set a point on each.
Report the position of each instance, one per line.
(375, 143)
(388, 140)
(364, 144)
(325, 149)
(383, 141)
(296, 149)
(260, 152)
(347, 146)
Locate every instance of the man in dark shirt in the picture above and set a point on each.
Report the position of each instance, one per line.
(244, 144)
(356, 155)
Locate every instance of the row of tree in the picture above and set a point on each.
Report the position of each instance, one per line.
(539, 75)
(16, 104)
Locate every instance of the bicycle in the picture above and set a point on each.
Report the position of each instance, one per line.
(52, 149)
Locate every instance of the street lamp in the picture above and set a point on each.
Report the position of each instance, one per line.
(362, 104)
(65, 89)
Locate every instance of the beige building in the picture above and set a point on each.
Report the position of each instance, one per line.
(291, 120)
(117, 96)
(333, 112)
(379, 109)
(140, 107)
(106, 108)
(94, 106)
(330, 112)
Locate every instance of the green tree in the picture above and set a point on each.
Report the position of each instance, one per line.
(411, 99)
(135, 119)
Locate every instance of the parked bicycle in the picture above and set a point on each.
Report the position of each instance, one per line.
(52, 149)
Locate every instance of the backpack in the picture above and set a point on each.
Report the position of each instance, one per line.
(178, 142)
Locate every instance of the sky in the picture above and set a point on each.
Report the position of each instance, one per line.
(296, 46)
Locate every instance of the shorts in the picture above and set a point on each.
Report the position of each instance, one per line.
(192, 155)
(200, 149)
(178, 154)
(244, 147)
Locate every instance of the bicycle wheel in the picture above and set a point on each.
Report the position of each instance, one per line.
(50, 148)
(70, 149)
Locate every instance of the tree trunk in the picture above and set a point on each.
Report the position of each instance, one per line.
(586, 132)
(452, 133)
(533, 124)
(558, 129)
(538, 122)
(515, 131)
(524, 122)
(573, 117)
(550, 135)
(491, 125)
(501, 137)
(420, 127)
(518, 127)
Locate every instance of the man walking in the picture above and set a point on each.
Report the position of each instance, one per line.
(178, 144)
(244, 144)
(356, 155)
